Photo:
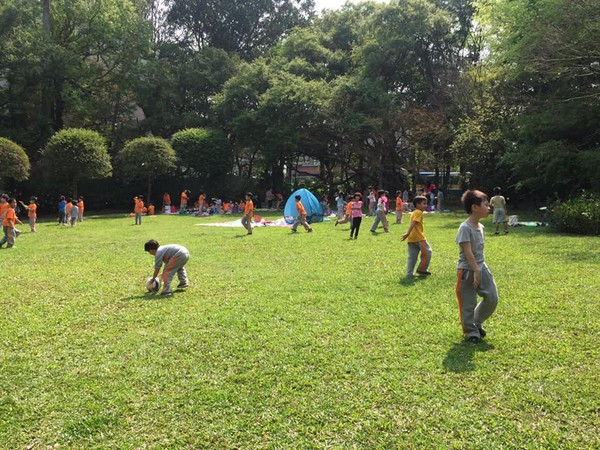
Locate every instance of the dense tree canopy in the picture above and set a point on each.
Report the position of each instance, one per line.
(505, 89)
(15, 162)
(75, 154)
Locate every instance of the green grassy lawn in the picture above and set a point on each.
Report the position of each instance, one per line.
(294, 341)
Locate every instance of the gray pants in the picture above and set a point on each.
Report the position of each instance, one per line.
(175, 265)
(247, 224)
(472, 315)
(380, 217)
(138, 218)
(414, 248)
(301, 220)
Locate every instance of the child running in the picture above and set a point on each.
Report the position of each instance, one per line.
(356, 215)
(417, 242)
(174, 257)
(474, 277)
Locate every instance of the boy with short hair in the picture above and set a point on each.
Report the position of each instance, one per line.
(301, 218)
(248, 213)
(498, 202)
(417, 242)
(474, 277)
(174, 257)
(31, 212)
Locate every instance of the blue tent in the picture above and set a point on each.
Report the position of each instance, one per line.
(314, 210)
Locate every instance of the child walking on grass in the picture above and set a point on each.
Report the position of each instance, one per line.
(417, 242)
(356, 215)
(248, 213)
(474, 277)
(301, 219)
(174, 257)
(498, 202)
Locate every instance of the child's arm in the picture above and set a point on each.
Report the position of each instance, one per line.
(23, 205)
(156, 272)
(466, 246)
(18, 221)
(410, 228)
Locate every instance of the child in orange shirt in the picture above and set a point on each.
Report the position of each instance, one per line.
(399, 207)
(166, 203)
(184, 200)
(8, 224)
(301, 218)
(68, 210)
(151, 209)
(138, 209)
(80, 205)
(31, 212)
(248, 213)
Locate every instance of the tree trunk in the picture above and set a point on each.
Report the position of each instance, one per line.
(149, 192)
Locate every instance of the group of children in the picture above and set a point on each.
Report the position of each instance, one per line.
(70, 211)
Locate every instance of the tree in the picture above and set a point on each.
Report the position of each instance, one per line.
(148, 158)
(15, 162)
(205, 152)
(75, 154)
(246, 27)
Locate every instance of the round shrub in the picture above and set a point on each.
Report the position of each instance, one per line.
(15, 162)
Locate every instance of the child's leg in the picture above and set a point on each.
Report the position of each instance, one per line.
(413, 253)
(171, 268)
(398, 216)
(357, 221)
(466, 295)
(297, 222)
(4, 239)
(376, 222)
(425, 256)
(488, 290)
(182, 275)
(386, 225)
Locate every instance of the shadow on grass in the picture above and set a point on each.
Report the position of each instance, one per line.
(459, 358)
(410, 281)
(147, 296)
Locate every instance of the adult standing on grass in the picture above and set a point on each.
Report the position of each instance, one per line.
(474, 277)
(248, 213)
(301, 218)
(498, 202)
(417, 242)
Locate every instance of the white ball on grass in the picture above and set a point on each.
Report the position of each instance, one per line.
(153, 284)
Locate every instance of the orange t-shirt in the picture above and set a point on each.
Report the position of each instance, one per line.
(249, 207)
(3, 207)
(68, 208)
(300, 208)
(184, 198)
(151, 210)
(399, 204)
(201, 199)
(81, 205)
(9, 218)
(349, 208)
(139, 206)
(32, 211)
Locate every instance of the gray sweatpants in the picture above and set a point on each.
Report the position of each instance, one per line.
(472, 315)
(175, 265)
(414, 248)
(380, 217)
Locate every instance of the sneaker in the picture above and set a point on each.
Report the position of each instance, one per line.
(497, 232)
(474, 340)
(166, 294)
(183, 285)
(423, 272)
(506, 232)
(293, 231)
(337, 223)
(309, 230)
(482, 332)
